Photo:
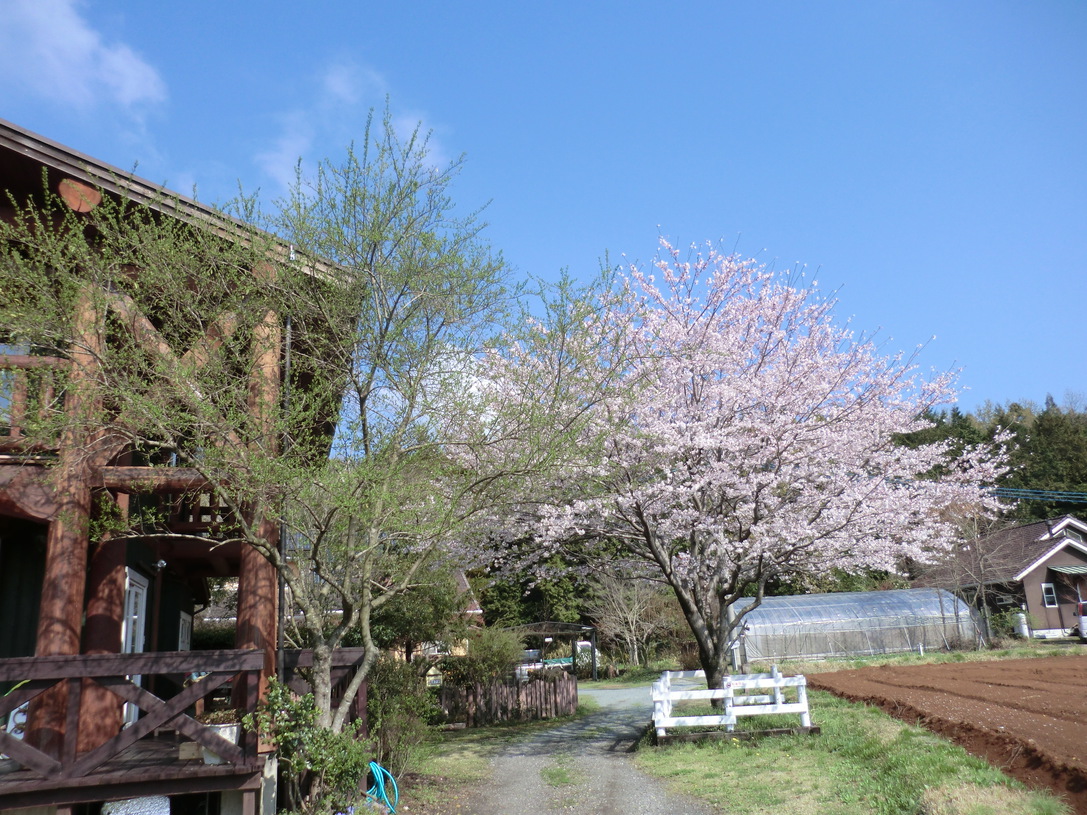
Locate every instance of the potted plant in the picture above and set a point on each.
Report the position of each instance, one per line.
(226, 723)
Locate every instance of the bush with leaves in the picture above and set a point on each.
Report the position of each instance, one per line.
(1005, 624)
(492, 654)
(400, 707)
(324, 771)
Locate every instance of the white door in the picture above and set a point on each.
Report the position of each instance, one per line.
(133, 627)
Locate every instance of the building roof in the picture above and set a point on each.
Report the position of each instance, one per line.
(844, 609)
(23, 155)
(1006, 555)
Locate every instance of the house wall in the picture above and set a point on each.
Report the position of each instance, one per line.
(167, 598)
(22, 565)
(1055, 621)
(176, 598)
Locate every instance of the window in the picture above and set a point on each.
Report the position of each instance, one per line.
(1074, 534)
(1049, 595)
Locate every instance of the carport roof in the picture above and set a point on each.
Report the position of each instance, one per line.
(1069, 569)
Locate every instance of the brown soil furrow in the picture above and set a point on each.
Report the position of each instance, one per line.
(1027, 717)
(1045, 707)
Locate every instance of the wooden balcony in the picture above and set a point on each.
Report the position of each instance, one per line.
(143, 758)
(154, 755)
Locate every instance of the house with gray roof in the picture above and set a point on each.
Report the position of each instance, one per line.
(1040, 568)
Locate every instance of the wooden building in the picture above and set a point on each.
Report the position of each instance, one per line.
(98, 685)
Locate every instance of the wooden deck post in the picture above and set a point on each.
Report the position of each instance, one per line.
(258, 582)
(101, 711)
(61, 612)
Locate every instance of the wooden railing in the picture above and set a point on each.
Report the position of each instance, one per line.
(345, 662)
(34, 675)
(30, 386)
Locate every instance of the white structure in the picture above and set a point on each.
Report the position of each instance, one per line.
(738, 701)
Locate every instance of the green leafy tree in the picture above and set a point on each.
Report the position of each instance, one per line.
(1051, 455)
(434, 612)
(515, 599)
(367, 454)
(399, 707)
(1048, 451)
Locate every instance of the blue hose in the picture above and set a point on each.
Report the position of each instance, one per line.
(378, 793)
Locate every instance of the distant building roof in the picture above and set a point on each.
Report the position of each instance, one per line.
(1003, 556)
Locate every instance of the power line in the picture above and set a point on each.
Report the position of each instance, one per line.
(1040, 495)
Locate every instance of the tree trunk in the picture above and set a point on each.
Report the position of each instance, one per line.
(711, 654)
(321, 682)
(342, 713)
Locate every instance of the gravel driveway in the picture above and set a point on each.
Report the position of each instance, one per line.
(582, 766)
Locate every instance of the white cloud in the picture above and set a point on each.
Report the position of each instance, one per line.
(295, 141)
(345, 83)
(334, 115)
(56, 54)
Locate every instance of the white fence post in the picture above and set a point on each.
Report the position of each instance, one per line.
(730, 713)
(746, 704)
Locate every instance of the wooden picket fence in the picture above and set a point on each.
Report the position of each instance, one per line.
(481, 705)
(742, 694)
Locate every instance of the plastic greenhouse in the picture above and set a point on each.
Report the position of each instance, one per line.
(856, 623)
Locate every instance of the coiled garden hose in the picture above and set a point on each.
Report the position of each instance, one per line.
(378, 793)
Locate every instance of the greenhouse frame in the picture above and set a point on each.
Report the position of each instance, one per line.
(861, 623)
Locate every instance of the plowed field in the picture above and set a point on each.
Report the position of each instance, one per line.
(1026, 716)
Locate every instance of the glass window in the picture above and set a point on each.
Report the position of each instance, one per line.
(1049, 595)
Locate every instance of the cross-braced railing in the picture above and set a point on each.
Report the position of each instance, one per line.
(29, 677)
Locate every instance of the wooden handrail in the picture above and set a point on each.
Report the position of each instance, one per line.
(341, 657)
(114, 672)
(161, 662)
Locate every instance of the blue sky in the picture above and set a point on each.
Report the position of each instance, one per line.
(926, 160)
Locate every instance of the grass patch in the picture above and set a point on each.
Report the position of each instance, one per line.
(862, 762)
(586, 707)
(561, 773)
(632, 677)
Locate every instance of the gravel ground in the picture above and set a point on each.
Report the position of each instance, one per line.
(583, 767)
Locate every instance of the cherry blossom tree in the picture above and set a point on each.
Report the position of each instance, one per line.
(749, 436)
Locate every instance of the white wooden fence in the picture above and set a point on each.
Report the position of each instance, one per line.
(737, 696)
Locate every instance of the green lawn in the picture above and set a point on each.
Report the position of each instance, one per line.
(862, 762)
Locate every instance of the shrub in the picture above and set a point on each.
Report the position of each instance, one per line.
(688, 657)
(1005, 624)
(213, 636)
(323, 771)
(492, 654)
(399, 707)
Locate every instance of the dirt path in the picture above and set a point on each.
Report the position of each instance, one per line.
(1028, 716)
(582, 767)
